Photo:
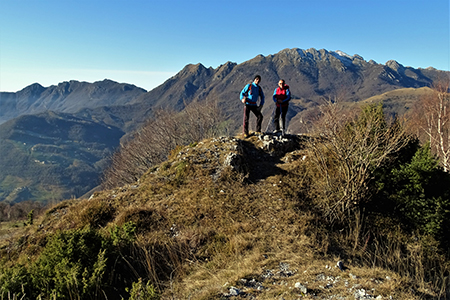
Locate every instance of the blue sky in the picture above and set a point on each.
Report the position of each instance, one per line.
(146, 42)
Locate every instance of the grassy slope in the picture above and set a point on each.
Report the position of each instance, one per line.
(401, 100)
(216, 226)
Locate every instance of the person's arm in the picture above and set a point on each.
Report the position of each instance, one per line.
(262, 96)
(244, 93)
(288, 95)
(274, 97)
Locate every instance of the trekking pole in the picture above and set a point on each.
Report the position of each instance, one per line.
(281, 119)
(271, 120)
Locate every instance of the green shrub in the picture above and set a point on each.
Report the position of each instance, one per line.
(139, 291)
(14, 280)
(72, 265)
(124, 234)
(420, 190)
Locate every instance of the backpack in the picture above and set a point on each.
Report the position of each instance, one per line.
(249, 91)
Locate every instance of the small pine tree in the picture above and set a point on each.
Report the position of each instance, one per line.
(422, 192)
(30, 217)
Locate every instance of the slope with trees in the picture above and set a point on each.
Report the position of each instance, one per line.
(52, 156)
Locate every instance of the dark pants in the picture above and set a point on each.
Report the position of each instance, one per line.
(283, 111)
(257, 113)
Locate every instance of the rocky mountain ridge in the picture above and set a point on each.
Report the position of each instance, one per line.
(66, 97)
(311, 74)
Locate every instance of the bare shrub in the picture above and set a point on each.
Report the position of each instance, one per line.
(19, 211)
(346, 148)
(152, 144)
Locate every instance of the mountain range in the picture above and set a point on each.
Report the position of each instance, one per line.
(61, 135)
(68, 97)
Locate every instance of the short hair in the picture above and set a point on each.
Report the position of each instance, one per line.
(257, 76)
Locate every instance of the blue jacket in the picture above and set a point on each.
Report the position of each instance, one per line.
(252, 98)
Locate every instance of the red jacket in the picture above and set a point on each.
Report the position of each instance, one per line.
(282, 94)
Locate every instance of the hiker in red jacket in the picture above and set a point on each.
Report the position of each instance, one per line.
(281, 97)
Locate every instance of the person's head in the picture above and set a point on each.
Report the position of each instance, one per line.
(257, 79)
(281, 83)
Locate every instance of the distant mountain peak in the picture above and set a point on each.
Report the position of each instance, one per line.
(343, 54)
(192, 69)
(35, 87)
(321, 54)
(395, 65)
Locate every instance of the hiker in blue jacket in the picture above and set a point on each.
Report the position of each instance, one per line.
(249, 96)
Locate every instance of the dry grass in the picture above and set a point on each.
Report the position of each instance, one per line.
(203, 227)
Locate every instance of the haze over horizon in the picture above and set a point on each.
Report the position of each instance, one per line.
(146, 42)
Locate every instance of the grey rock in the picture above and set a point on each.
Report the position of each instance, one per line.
(301, 287)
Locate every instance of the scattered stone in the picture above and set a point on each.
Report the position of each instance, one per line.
(234, 291)
(233, 160)
(361, 294)
(301, 287)
(340, 265)
(174, 230)
(320, 277)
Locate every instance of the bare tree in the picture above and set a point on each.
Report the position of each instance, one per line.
(151, 144)
(347, 147)
(431, 120)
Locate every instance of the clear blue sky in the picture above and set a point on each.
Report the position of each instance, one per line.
(145, 42)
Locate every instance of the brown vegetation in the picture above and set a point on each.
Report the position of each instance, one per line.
(350, 145)
(151, 144)
(203, 224)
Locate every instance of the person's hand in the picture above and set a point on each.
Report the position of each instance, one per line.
(244, 99)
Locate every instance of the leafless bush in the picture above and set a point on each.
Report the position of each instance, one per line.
(151, 144)
(346, 149)
(19, 211)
